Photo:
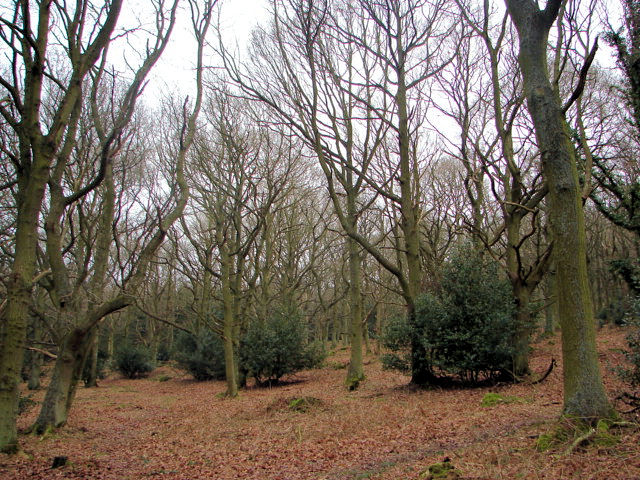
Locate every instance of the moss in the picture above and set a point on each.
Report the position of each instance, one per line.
(603, 436)
(353, 382)
(492, 399)
(441, 471)
(45, 433)
(550, 440)
(574, 433)
(303, 404)
(337, 365)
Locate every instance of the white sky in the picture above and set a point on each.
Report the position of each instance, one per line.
(174, 71)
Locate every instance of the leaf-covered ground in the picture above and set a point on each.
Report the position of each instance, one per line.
(180, 429)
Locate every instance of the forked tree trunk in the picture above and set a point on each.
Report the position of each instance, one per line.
(584, 394)
(64, 381)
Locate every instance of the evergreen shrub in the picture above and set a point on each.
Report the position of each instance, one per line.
(133, 361)
(276, 347)
(467, 327)
(202, 355)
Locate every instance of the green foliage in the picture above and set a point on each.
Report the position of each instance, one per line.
(615, 313)
(304, 404)
(314, 355)
(492, 399)
(202, 355)
(467, 327)
(164, 352)
(629, 271)
(470, 327)
(337, 365)
(276, 347)
(397, 338)
(133, 361)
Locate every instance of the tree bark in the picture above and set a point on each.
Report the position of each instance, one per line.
(92, 379)
(228, 322)
(584, 394)
(355, 372)
(64, 381)
(16, 313)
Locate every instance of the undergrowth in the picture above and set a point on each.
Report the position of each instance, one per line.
(571, 434)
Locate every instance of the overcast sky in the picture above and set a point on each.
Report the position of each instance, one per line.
(174, 71)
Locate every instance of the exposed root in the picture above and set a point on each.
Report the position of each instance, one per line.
(585, 437)
(547, 373)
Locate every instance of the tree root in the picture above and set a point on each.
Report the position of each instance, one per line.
(547, 373)
(581, 439)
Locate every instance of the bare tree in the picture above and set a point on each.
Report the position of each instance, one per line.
(343, 105)
(499, 157)
(29, 74)
(239, 171)
(584, 394)
(79, 296)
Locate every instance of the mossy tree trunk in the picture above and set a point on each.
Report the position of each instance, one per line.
(16, 312)
(86, 315)
(584, 394)
(355, 372)
(38, 145)
(64, 381)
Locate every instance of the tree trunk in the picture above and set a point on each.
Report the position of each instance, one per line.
(355, 372)
(551, 308)
(16, 312)
(92, 378)
(36, 361)
(66, 374)
(228, 324)
(34, 372)
(523, 331)
(584, 394)
(420, 371)
(365, 335)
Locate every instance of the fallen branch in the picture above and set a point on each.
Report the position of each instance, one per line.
(547, 373)
(44, 352)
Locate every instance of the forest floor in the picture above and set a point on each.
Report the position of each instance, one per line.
(170, 427)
